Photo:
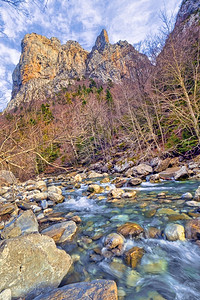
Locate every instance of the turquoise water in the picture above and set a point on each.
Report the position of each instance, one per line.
(169, 270)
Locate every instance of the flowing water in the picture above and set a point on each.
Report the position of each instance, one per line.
(168, 270)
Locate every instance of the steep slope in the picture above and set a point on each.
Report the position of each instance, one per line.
(46, 66)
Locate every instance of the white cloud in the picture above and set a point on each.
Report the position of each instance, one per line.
(80, 20)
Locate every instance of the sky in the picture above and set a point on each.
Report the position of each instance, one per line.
(79, 20)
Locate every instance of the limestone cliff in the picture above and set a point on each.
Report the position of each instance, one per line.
(46, 66)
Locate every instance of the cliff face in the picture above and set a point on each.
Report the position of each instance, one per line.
(189, 12)
(45, 65)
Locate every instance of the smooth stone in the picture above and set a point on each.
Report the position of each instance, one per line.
(169, 173)
(120, 218)
(6, 295)
(39, 196)
(95, 175)
(153, 295)
(154, 267)
(77, 178)
(96, 290)
(175, 232)
(187, 196)
(152, 233)
(58, 198)
(193, 203)
(54, 189)
(120, 182)
(31, 264)
(36, 208)
(134, 256)
(61, 232)
(44, 204)
(130, 229)
(135, 181)
(130, 194)
(121, 292)
(132, 278)
(116, 193)
(154, 178)
(178, 217)
(41, 185)
(114, 240)
(142, 170)
(105, 180)
(95, 188)
(150, 213)
(166, 211)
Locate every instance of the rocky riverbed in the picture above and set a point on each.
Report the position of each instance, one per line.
(133, 235)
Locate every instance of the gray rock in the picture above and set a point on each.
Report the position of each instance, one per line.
(187, 196)
(142, 170)
(54, 189)
(181, 173)
(44, 204)
(25, 223)
(41, 185)
(39, 196)
(69, 231)
(175, 232)
(123, 166)
(5, 295)
(31, 264)
(193, 203)
(95, 290)
(58, 198)
(135, 181)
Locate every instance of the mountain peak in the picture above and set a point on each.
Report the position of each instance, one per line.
(102, 40)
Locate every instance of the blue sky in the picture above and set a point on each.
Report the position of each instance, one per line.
(80, 20)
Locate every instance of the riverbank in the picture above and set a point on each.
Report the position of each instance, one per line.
(135, 229)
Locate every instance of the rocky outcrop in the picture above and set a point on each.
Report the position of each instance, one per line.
(188, 12)
(31, 264)
(46, 66)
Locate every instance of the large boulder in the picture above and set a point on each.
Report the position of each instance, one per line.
(31, 264)
(95, 290)
(162, 165)
(142, 170)
(25, 223)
